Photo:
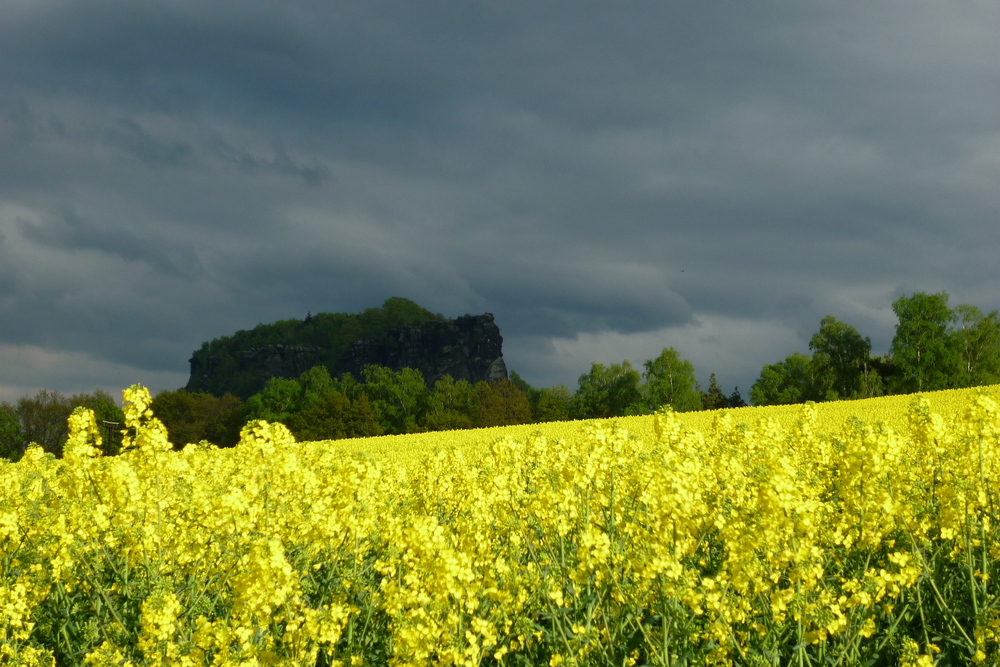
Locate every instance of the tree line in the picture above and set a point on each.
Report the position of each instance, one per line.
(43, 419)
(935, 347)
(316, 406)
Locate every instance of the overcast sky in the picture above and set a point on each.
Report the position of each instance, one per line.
(608, 179)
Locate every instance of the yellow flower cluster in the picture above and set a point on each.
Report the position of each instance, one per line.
(817, 534)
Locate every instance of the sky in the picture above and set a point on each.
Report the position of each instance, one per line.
(607, 179)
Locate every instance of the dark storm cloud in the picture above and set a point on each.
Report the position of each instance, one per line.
(274, 63)
(75, 233)
(602, 178)
(133, 140)
(280, 162)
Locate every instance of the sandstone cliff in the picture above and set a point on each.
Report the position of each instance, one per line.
(467, 348)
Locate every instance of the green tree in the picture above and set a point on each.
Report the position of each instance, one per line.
(315, 383)
(400, 312)
(713, 399)
(361, 421)
(500, 403)
(608, 391)
(43, 419)
(839, 355)
(920, 350)
(670, 381)
(398, 398)
(549, 404)
(786, 382)
(735, 400)
(528, 390)
(110, 418)
(878, 373)
(349, 386)
(333, 416)
(450, 405)
(12, 440)
(554, 404)
(872, 382)
(276, 402)
(975, 339)
(193, 417)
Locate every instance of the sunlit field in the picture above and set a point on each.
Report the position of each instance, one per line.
(848, 533)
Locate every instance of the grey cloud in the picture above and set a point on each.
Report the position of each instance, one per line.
(137, 142)
(571, 169)
(73, 232)
(8, 285)
(247, 58)
(279, 161)
(562, 298)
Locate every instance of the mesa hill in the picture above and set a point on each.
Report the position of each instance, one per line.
(400, 334)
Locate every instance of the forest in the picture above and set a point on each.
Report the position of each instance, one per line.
(935, 347)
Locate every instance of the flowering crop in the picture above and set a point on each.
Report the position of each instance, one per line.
(850, 533)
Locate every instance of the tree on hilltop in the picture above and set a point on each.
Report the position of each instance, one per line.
(193, 417)
(713, 398)
(670, 381)
(785, 382)
(554, 404)
(12, 440)
(975, 339)
(500, 403)
(839, 355)
(608, 391)
(397, 397)
(920, 349)
(450, 405)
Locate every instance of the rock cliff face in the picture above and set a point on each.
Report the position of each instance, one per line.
(245, 373)
(280, 361)
(466, 348)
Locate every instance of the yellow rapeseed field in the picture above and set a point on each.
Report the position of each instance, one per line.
(849, 533)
